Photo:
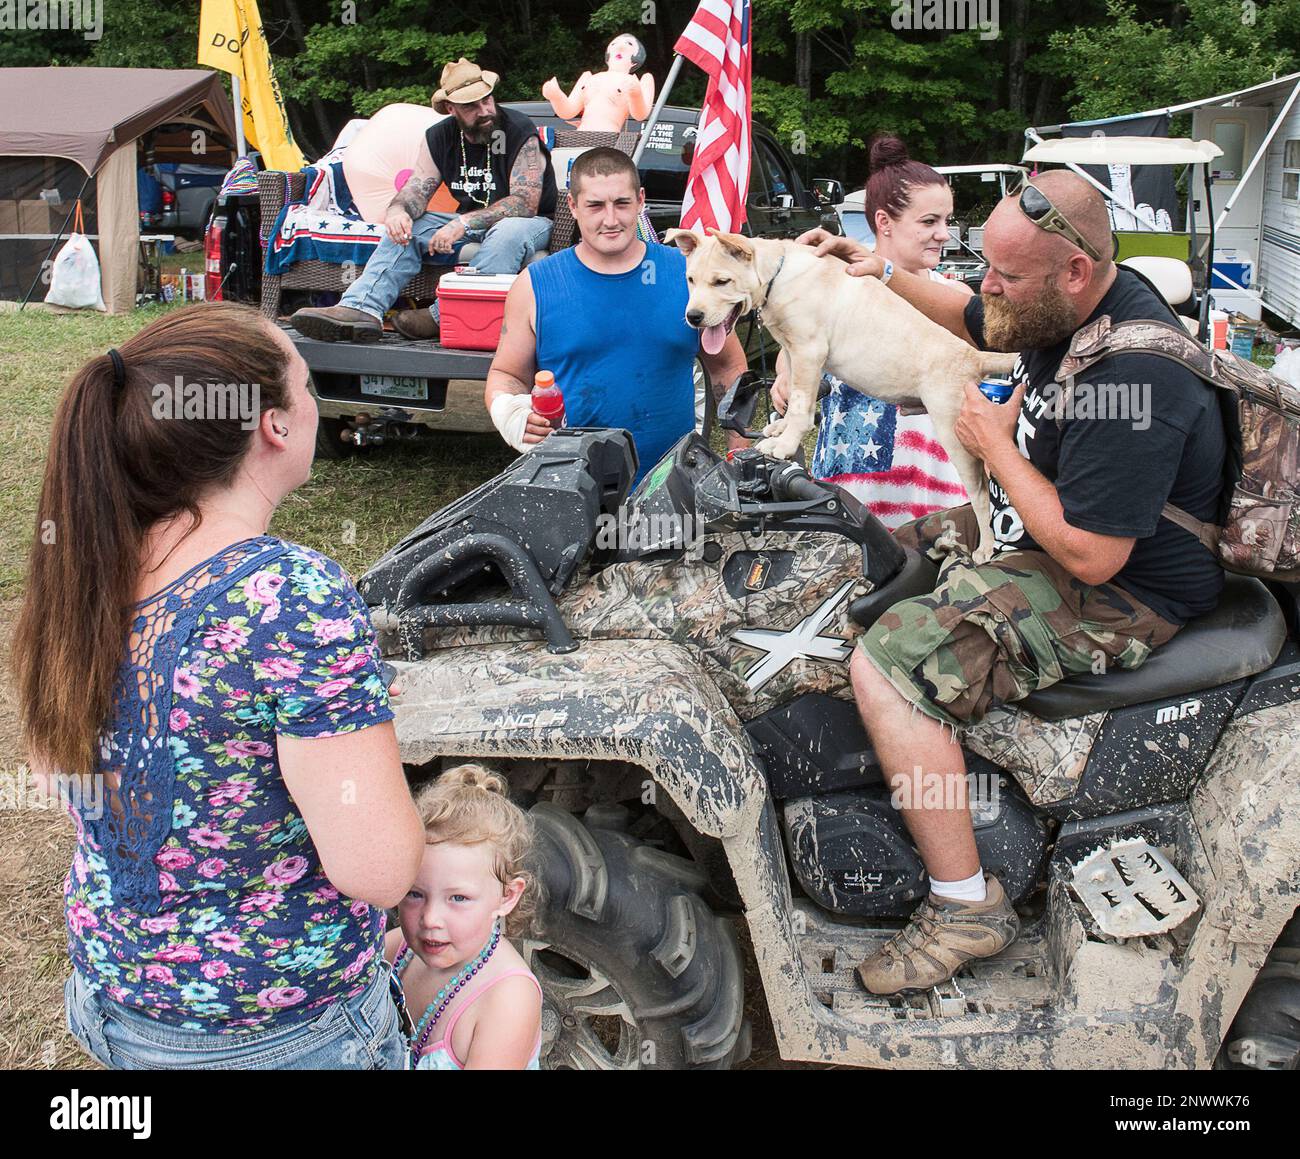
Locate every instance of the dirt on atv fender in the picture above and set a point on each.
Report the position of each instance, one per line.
(1160, 1003)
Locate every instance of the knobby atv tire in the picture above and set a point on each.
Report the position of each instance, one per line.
(637, 971)
(1265, 1035)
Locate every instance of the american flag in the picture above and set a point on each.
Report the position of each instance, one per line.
(718, 40)
(891, 462)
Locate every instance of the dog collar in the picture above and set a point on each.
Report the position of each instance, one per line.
(768, 288)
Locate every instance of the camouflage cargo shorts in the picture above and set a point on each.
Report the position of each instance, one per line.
(996, 632)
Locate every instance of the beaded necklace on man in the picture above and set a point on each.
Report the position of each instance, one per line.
(490, 184)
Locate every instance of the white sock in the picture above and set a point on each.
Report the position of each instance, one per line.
(968, 889)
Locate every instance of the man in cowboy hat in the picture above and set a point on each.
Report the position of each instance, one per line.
(500, 173)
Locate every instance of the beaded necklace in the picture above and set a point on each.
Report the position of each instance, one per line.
(490, 184)
(453, 986)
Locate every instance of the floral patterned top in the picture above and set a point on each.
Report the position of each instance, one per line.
(247, 931)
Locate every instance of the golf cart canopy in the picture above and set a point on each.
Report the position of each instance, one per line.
(994, 168)
(1123, 151)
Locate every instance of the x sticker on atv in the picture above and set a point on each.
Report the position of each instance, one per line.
(803, 640)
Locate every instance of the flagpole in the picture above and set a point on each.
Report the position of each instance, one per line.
(237, 98)
(659, 105)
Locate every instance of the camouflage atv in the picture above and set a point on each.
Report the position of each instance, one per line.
(665, 684)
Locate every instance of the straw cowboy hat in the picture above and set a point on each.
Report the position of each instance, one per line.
(463, 83)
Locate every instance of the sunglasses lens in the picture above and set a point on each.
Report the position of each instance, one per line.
(1034, 204)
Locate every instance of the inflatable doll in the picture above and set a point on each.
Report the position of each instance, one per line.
(605, 100)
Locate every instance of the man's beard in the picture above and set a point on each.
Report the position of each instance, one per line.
(1036, 325)
(481, 130)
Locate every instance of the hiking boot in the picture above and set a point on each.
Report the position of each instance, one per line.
(418, 324)
(943, 935)
(337, 324)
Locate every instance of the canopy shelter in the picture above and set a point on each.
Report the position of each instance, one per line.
(69, 133)
(1253, 208)
(1123, 151)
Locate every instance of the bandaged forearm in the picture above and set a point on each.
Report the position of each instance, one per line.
(510, 416)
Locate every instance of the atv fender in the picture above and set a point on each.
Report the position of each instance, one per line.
(646, 703)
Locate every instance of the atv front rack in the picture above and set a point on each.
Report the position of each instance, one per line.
(531, 605)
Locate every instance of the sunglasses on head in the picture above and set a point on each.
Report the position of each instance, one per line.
(1036, 206)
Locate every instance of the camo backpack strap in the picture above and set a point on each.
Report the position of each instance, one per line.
(1261, 413)
(1101, 339)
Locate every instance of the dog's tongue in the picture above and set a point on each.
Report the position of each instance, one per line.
(713, 338)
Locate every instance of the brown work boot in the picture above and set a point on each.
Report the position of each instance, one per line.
(943, 935)
(418, 324)
(337, 324)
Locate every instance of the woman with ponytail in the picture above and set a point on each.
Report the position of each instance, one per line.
(892, 462)
(225, 906)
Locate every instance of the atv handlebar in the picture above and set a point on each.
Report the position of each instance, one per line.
(792, 484)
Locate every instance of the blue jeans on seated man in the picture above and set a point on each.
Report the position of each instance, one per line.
(506, 246)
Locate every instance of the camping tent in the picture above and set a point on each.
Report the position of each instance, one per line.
(69, 133)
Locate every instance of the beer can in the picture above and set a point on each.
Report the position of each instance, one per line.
(997, 389)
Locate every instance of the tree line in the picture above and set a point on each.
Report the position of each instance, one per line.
(827, 73)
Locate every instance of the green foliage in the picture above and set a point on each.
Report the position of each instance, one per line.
(1124, 64)
(952, 96)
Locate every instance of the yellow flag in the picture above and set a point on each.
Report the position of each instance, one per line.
(231, 39)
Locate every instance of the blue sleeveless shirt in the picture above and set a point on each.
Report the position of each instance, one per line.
(619, 346)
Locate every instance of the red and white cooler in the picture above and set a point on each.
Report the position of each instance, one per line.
(471, 308)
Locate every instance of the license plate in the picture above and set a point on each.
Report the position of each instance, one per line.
(395, 387)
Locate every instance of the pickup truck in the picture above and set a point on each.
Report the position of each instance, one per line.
(368, 393)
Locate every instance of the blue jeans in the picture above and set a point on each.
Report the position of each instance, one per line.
(506, 246)
(361, 1033)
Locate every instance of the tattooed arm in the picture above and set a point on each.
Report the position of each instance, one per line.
(412, 199)
(526, 176)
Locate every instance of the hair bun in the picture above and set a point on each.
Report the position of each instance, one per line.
(476, 776)
(885, 149)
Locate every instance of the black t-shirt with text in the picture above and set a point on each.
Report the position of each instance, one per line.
(484, 176)
(1139, 431)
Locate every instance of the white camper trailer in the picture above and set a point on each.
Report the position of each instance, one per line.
(1255, 189)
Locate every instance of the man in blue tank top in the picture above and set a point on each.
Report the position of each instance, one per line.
(608, 319)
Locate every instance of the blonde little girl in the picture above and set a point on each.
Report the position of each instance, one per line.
(475, 1005)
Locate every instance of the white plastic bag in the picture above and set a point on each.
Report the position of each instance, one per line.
(1287, 365)
(74, 278)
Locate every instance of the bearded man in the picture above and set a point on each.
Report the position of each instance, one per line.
(1088, 576)
(496, 167)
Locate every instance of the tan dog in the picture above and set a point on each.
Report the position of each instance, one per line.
(855, 328)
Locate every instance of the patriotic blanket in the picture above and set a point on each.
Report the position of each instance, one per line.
(891, 462)
(325, 225)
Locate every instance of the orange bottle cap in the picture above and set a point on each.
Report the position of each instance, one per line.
(544, 378)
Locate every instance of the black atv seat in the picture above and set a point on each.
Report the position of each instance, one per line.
(1241, 637)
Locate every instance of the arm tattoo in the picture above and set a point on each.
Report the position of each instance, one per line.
(414, 195)
(526, 177)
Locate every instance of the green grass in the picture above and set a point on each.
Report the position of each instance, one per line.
(351, 509)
